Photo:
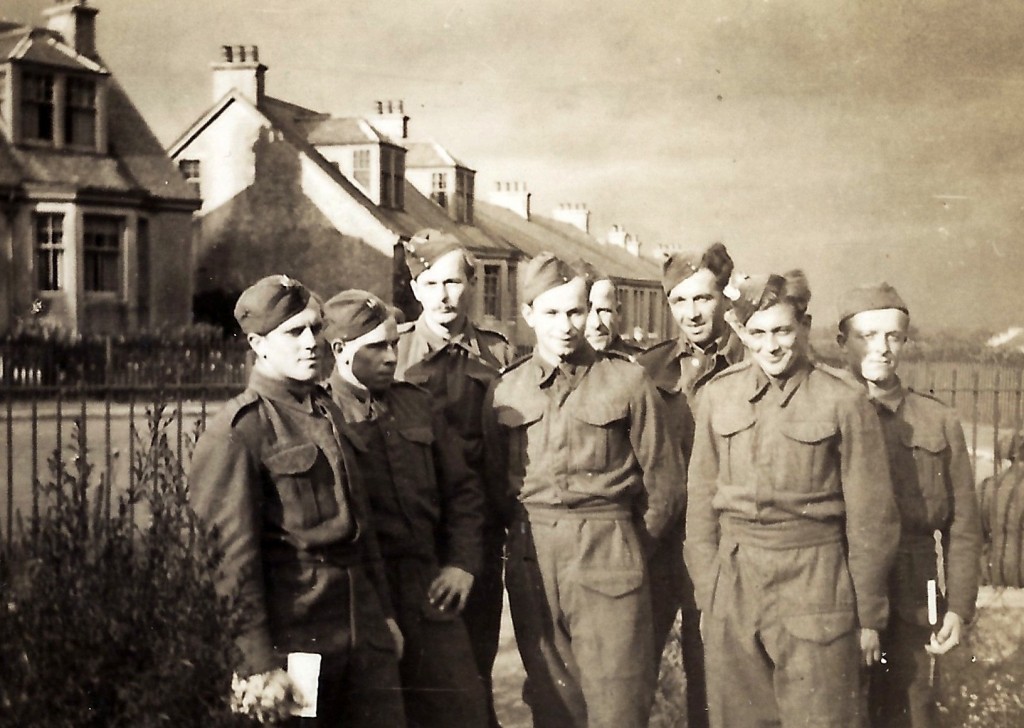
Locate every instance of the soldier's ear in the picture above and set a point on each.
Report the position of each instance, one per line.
(337, 346)
(841, 339)
(255, 342)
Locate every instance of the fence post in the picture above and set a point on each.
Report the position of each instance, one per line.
(108, 360)
(975, 394)
(996, 392)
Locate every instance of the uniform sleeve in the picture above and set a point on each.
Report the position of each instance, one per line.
(462, 501)
(700, 548)
(872, 521)
(661, 459)
(225, 491)
(496, 475)
(962, 540)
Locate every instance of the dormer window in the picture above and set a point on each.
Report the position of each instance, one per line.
(439, 189)
(80, 114)
(37, 107)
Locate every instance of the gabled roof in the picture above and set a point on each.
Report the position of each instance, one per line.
(540, 234)
(430, 154)
(39, 45)
(419, 212)
(341, 130)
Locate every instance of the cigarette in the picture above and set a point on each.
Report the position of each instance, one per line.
(933, 603)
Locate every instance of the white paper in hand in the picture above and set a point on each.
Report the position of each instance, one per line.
(304, 670)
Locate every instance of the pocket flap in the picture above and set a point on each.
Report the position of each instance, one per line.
(612, 583)
(808, 430)
(602, 413)
(931, 439)
(295, 459)
(823, 627)
(420, 435)
(727, 424)
(515, 417)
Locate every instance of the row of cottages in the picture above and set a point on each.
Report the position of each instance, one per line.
(95, 220)
(330, 200)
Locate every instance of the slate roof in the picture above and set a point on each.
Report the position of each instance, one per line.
(540, 234)
(341, 130)
(136, 163)
(430, 154)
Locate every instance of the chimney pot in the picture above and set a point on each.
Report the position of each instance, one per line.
(226, 53)
(380, 107)
(401, 106)
(255, 50)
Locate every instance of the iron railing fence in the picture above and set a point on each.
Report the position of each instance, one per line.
(38, 425)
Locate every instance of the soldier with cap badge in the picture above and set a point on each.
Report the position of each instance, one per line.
(934, 485)
(456, 360)
(275, 473)
(427, 509)
(680, 367)
(586, 476)
(791, 524)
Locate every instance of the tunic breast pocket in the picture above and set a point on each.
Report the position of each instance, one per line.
(517, 422)
(292, 471)
(598, 433)
(416, 443)
(732, 431)
(921, 478)
(807, 454)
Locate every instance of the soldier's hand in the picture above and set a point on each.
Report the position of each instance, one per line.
(948, 637)
(450, 589)
(396, 635)
(870, 646)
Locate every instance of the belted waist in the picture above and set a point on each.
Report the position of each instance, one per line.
(342, 555)
(781, 535)
(553, 514)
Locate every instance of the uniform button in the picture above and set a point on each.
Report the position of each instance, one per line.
(694, 362)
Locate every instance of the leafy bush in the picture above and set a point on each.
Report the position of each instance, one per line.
(108, 616)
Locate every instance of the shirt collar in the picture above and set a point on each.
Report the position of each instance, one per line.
(789, 386)
(297, 395)
(466, 338)
(890, 399)
(575, 363)
(353, 401)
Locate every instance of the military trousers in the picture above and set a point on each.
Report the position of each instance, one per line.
(440, 685)
(900, 692)
(580, 601)
(782, 647)
(482, 614)
(672, 592)
(358, 688)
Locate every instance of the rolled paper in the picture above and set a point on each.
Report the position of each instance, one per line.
(933, 603)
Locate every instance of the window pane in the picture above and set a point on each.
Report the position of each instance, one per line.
(37, 106)
(49, 233)
(492, 290)
(101, 247)
(361, 167)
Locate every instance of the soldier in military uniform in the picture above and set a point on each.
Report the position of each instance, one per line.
(791, 525)
(579, 449)
(275, 473)
(427, 509)
(934, 486)
(679, 367)
(602, 330)
(454, 359)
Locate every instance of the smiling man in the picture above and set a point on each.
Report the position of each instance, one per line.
(934, 485)
(427, 510)
(791, 525)
(275, 472)
(585, 475)
(456, 360)
(680, 367)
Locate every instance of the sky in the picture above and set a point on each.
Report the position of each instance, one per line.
(860, 141)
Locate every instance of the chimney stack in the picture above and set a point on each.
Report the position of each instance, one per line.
(618, 237)
(391, 120)
(76, 22)
(239, 68)
(512, 196)
(576, 214)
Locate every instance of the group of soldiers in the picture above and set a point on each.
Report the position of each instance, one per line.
(792, 516)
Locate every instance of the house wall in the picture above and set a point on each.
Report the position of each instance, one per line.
(294, 218)
(170, 269)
